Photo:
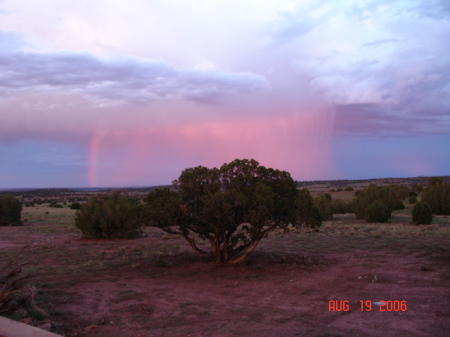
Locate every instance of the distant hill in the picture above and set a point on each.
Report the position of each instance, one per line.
(313, 185)
(360, 183)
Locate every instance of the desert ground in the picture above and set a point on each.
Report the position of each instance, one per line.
(155, 286)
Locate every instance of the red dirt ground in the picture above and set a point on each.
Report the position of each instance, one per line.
(273, 294)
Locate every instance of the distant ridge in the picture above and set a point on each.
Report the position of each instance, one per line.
(422, 180)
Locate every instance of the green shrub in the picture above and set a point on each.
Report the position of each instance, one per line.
(368, 196)
(432, 181)
(324, 206)
(421, 213)
(398, 192)
(438, 197)
(395, 204)
(412, 199)
(10, 211)
(377, 211)
(339, 190)
(332, 190)
(413, 194)
(417, 187)
(339, 206)
(110, 215)
(349, 189)
(75, 205)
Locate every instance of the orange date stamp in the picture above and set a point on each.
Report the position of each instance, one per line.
(369, 305)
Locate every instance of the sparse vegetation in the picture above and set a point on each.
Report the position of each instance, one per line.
(377, 211)
(10, 211)
(323, 204)
(437, 195)
(233, 207)
(422, 214)
(110, 215)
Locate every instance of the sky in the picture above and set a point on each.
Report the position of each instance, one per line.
(113, 93)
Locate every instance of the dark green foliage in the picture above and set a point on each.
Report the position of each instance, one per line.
(412, 200)
(417, 188)
(110, 215)
(398, 192)
(75, 205)
(233, 207)
(413, 194)
(324, 206)
(421, 213)
(349, 189)
(438, 197)
(358, 192)
(332, 190)
(368, 196)
(10, 210)
(328, 196)
(432, 181)
(339, 190)
(395, 204)
(339, 206)
(377, 211)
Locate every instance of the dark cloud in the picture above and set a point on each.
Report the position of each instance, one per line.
(386, 120)
(130, 81)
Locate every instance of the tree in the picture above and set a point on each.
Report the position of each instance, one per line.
(399, 192)
(110, 215)
(377, 211)
(432, 181)
(324, 206)
(233, 207)
(369, 195)
(75, 205)
(421, 213)
(438, 197)
(10, 211)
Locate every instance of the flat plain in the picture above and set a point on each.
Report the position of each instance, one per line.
(155, 286)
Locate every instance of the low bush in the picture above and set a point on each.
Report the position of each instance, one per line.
(75, 205)
(412, 199)
(395, 204)
(377, 211)
(110, 215)
(339, 206)
(10, 211)
(323, 204)
(437, 196)
(349, 189)
(421, 213)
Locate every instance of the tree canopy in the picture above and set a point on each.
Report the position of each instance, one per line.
(233, 207)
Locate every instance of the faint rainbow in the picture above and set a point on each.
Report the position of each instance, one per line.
(93, 152)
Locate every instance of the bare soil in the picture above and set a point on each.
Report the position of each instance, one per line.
(154, 286)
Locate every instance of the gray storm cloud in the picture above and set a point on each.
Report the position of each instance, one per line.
(129, 81)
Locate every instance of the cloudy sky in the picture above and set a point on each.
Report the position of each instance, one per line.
(129, 93)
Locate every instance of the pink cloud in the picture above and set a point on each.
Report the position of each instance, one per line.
(298, 144)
